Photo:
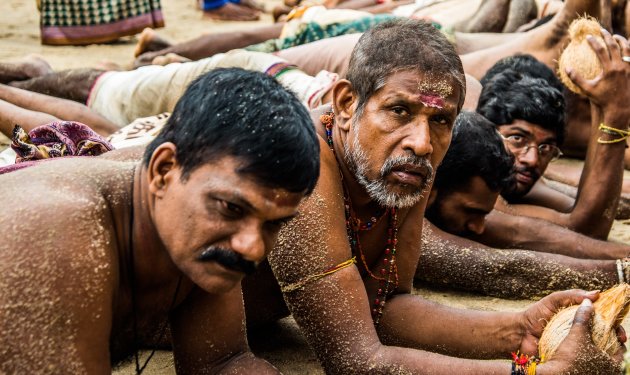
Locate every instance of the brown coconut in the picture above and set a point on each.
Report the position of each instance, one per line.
(610, 309)
(579, 55)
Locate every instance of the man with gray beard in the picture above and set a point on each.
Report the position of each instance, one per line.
(345, 266)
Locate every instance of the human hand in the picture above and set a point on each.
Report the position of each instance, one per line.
(577, 353)
(538, 314)
(610, 90)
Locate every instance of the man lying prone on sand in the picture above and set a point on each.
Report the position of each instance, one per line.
(99, 257)
(476, 168)
(345, 267)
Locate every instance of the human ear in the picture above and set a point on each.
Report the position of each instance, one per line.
(162, 163)
(344, 103)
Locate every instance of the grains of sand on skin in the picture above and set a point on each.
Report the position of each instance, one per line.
(501, 273)
(37, 280)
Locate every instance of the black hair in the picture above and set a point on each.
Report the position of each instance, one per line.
(511, 95)
(476, 149)
(247, 115)
(525, 64)
(401, 44)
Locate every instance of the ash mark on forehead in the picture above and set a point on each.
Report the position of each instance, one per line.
(432, 92)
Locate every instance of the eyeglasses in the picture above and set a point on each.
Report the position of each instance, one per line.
(521, 145)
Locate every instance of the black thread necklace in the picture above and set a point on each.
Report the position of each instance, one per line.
(136, 343)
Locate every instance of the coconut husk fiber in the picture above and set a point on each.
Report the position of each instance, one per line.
(610, 310)
(578, 54)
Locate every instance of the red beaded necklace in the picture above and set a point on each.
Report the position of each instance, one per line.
(388, 278)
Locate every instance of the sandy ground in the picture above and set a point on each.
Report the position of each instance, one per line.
(281, 344)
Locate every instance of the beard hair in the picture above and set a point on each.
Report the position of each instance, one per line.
(357, 161)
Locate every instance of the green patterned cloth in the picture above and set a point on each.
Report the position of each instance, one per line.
(314, 31)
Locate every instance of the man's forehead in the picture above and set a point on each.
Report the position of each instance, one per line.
(415, 80)
(282, 198)
(480, 195)
(440, 94)
(230, 182)
(529, 128)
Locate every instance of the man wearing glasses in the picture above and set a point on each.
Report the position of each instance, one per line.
(524, 99)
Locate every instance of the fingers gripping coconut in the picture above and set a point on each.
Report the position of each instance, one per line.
(597, 65)
(587, 335)
(579, 55)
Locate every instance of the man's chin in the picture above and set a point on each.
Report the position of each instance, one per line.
(517, 193)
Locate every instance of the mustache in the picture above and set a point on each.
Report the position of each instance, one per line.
(228, 259)
(414, 160)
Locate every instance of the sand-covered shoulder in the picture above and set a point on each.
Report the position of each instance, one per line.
(281, 344)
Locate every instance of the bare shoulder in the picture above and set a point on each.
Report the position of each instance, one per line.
(57, 263)
(61, 210)
(317, 237)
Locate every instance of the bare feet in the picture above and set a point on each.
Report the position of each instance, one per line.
(149, 41)
(254, 4)
(28, 67)
(489, 17)
(520, 13)
(168, 59)
(279, 11)
(233, 12)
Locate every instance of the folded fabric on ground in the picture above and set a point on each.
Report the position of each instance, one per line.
(79, 22)
(319, 23)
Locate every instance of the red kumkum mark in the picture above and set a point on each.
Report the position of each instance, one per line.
(432, 100)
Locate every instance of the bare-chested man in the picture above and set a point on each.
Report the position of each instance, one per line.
(98, 256)
(468, 182)
(529, 114)
(345, 267)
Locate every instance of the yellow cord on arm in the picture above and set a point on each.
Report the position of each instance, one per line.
(622, 134)
(302, 283)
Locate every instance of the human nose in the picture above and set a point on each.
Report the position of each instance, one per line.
(418, 140)
(529, 156)
(249, 242)
(476, 225)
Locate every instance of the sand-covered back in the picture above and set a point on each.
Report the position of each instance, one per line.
(282, 343)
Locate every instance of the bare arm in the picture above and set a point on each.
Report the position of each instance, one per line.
(504, 230)
(209, 336)
(333, 311)
(542, 194)
(30, 109)
(11, 115)
(600, 183)
(461, 263)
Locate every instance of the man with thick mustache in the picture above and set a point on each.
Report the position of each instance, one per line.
(100, 256)
(345, 266)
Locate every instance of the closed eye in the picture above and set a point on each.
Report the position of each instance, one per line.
(230, 210)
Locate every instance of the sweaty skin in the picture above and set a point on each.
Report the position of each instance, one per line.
(76, 252)
(334, 311)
